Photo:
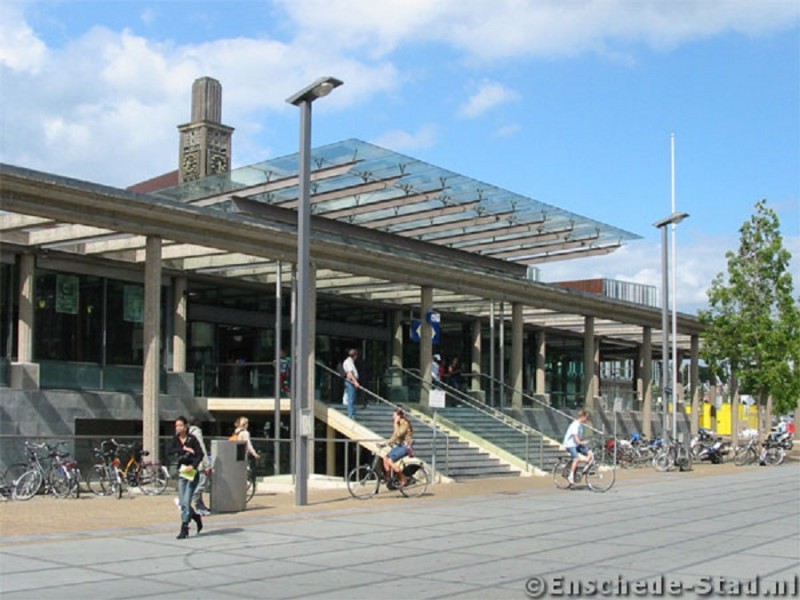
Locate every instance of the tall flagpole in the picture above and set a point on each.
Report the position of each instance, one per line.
(674, 288)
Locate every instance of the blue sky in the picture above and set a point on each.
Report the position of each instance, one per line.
(568, 102)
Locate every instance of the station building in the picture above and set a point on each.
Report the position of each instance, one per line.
(123, 308)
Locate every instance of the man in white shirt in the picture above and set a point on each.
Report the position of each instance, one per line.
(351, 384)
(436, 366)
(575, 444)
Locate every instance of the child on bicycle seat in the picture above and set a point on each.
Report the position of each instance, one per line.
(402, 438)
(576, 445)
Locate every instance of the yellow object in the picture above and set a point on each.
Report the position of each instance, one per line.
(748, 418)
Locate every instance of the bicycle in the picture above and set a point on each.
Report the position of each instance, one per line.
(671, 455)
(108, 478)
(364, 481)
(770, 454)
(598, 477)
(60, 477)
(251, 483)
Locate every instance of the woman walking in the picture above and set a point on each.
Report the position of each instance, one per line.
(189, 456)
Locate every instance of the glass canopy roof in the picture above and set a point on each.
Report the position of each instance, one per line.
(366, 185)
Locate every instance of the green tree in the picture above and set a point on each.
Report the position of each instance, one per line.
(753, 323)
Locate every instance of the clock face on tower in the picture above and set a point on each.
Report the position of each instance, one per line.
(218, 163)
(190, 165)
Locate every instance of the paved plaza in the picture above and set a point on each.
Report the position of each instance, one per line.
(717, 528)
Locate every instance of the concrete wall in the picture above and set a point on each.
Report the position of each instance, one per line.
(53, 414)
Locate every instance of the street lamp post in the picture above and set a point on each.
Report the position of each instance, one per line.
(303, 369)
(673, 219)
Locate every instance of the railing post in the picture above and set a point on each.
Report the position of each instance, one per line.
(447, 455)
(541, 452)
(527, 452)
(346, 458)
(433, 453)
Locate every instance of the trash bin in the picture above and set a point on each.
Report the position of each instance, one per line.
(229, 478)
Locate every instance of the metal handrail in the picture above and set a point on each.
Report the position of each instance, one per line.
(533, 399)
(500, 417)
(379, 398)
(466, 398)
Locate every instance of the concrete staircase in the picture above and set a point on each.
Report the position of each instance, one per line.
(454, 458)
(550, 423)
(526, 445)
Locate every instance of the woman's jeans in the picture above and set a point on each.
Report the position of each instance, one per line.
(350, 389)
(186, 489)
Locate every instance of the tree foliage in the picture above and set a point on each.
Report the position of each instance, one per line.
(753, 323)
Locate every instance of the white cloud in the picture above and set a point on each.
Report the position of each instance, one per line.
(20, 49)
(512, 28)
(699, 262)
(489, 95)
(125, 95)
(505, 131)
(404, 141)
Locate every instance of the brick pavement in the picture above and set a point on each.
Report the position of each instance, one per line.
(482, 540)
(44, 516)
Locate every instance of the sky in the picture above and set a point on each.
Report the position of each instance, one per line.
(571, 102)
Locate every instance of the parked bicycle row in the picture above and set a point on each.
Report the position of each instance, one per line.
(705, 446)
(50, 470)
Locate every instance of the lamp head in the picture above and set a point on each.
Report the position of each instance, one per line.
(673, 219)
(321, 87)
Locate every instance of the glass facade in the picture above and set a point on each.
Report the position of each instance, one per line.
(88, 334)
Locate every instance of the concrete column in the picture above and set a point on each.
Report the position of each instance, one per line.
(330, 451)
(516, 355)
(27, 266)
(179, 382)
(646, 381)
(541, 357)
(152, 338)
(396, 359)
(475, 381)
(397, 338)
(24, 373)
(694, 383)
(425, 343)
(589, 364)
(179, 335)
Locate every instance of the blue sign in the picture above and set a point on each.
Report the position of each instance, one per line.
(416, 330)
(415, 333)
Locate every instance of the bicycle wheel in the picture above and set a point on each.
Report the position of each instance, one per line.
(363, 482)
(600, 477)
(9, 478)
(684, 460)
(774, 456)
(152, 479)
(744, 456)
(28, 485)
(625, 457)
(561, 472)
(60, 481)
(251, 485)
(99, 481)
(75, 490)
(115, 485)
(417, 484)
(663, 461)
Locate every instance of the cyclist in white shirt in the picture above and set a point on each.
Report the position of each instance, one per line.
(575, 444)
